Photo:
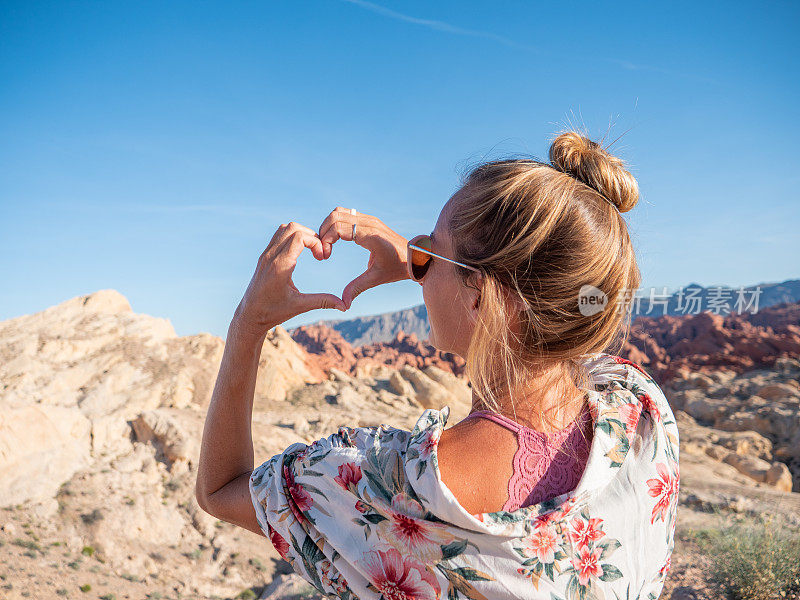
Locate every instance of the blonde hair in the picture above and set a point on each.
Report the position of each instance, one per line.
(539, 232)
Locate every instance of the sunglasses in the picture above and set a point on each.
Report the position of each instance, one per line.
(420, 257)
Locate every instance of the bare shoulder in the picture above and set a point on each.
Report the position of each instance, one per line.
(475, 463)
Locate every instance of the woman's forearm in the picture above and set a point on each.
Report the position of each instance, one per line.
(227, 447)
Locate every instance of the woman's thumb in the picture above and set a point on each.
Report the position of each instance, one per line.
(360, 284)
(314, 301)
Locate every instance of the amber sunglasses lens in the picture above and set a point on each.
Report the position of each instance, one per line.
(418, 262)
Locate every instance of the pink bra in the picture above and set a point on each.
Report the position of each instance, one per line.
(546, 465)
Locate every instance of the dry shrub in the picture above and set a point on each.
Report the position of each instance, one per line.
(755, 559)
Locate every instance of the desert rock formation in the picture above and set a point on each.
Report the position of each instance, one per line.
(102, 409)
(101, 416)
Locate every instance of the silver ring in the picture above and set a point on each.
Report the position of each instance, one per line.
(353, 212)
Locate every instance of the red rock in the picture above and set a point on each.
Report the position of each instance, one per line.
(668, 345)
(665, 346)
(330, 349)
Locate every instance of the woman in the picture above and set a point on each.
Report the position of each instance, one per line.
(563, 480)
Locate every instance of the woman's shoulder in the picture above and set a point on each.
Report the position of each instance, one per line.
(602, 365)
(609, 372)
(350, 443)
(475, 464)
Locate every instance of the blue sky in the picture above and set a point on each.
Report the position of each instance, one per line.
(154, 148)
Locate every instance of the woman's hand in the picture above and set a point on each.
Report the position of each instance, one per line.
(272, 298)
(387, 249)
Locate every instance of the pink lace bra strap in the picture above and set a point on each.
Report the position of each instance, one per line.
(497, 418)
(517, 428)
(541, 470)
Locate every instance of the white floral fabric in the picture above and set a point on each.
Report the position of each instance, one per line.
(364, 514)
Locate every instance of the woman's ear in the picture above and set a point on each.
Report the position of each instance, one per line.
(476, 293)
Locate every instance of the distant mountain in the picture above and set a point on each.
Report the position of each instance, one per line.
(689, 300)
(720, 300)
(381, 328)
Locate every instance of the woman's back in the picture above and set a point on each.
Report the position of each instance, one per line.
(364, 512)
(490, 463)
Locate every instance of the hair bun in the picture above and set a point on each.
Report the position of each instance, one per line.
(588, 162)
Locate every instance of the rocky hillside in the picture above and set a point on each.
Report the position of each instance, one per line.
(380, 328)
(669, 345)
(329, 349)
(101, 416)
(691, 299)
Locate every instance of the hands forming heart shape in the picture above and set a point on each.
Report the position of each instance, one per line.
(272, 298)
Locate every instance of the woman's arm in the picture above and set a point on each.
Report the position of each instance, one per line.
(226, 453)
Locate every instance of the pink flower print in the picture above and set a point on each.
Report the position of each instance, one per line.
(673, 493)
(664, 488)
(349, 473)
(542, 544)
(325, 567)
(583, 532)
(280, 544)
(629, 414)
(407, 530)
(567, 504)
(400, 578)
(301, 456)
(665, 569)
(428, 444)
(625, 361)
(341, 585)
(587, 564)
(650, 406)
(554, 515)
(547, 518)
(299, 499)
(361, 507)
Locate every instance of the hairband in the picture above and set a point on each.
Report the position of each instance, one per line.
(576, 178)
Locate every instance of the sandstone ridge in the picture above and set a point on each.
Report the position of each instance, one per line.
(102, 409)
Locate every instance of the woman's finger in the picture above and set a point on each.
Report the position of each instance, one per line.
(302, 237)
(344, 231)
(285, 232)
(337, 214)
(368, 279)
(323, 227)
(335, 226)
(292, 247)
(317, 249)
(329, 236)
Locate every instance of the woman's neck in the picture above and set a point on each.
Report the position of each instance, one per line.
(545, 404)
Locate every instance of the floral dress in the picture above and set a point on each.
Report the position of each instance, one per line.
(364, 514)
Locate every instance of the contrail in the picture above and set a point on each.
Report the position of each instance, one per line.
(448, 28)
(440, 25)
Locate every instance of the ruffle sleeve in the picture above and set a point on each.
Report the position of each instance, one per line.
(305, 500)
